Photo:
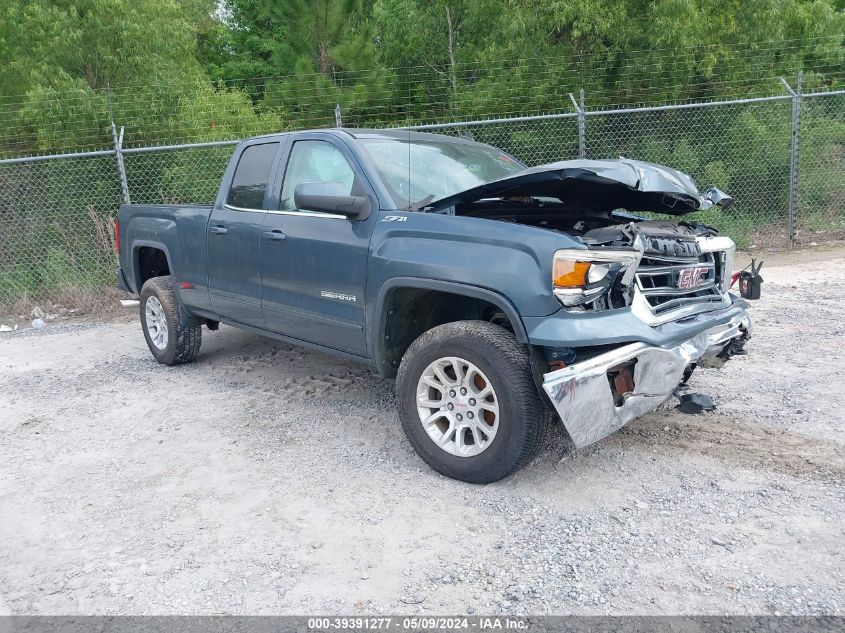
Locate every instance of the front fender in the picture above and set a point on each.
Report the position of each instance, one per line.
(376, 335)
(512, 260)
(505, 264)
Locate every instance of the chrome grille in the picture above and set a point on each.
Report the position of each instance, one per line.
(659, 280)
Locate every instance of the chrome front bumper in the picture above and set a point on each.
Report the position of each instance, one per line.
(582, 395)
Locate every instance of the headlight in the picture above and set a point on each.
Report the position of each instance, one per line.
(580, 276)
(723, 249)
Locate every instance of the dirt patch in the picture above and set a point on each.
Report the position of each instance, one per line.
(736, 444)
(65, 305)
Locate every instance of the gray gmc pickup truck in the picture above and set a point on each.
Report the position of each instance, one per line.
(497, 295)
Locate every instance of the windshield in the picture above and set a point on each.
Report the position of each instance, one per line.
(418, 172)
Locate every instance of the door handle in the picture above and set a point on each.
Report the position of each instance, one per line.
(274, 235)
(218, 230)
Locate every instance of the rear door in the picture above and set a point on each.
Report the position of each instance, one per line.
(234, 236)
(314, 265)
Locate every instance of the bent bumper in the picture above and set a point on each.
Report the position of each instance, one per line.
(584, 399)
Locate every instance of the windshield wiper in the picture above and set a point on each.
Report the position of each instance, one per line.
(419, 204)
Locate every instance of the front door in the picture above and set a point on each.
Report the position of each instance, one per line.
(234, 238)
(314, 265)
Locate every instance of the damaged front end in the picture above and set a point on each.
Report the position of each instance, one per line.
(643, 301)
(599, 395)
(664, 275)
(662, 271)
(647, 279)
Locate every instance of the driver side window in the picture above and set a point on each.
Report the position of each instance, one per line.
(315, 161)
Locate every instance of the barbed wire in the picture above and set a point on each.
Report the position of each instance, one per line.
(745, 50)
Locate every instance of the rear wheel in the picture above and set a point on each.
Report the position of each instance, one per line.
(172, 337)
(468, 401)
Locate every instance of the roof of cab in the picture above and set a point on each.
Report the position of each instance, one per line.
(366, 133)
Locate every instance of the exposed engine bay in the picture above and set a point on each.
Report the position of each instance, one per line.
(588, 199)
(668, 264)
(594, 228)
(661, 269)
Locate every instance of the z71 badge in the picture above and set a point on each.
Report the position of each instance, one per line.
(395, 218)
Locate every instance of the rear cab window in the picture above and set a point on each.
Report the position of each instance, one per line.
(252, 174)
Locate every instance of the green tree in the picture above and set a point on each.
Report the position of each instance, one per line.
(300, 57)
(526, 55)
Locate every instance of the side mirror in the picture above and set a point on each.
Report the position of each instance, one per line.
(717, 197)
(330, 197)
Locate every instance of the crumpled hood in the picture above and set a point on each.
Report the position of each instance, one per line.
(602, 185)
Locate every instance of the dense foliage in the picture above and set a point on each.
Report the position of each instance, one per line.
(175, 70)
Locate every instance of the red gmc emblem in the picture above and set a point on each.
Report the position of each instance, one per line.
(692, 277)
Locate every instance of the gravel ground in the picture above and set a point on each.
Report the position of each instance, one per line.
(267, 479)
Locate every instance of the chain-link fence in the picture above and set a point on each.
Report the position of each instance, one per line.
(57, 212)
(785, 192)
(742, 148)
(56, 224)
(820, 172)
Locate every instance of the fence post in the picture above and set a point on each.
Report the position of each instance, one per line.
(337, 118)
(582, 123)
(793, 157)
(582, 126)
(118, 154)
(117, 140)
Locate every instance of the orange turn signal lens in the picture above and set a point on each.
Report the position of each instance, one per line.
(567, 273)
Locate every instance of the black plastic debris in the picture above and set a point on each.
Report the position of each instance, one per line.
(695, 403)
(749, 281)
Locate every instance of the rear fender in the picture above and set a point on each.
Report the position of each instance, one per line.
(137, 245)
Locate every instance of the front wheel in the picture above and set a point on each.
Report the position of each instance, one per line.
(171, 336)
(468, 401)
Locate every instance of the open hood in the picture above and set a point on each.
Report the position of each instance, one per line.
(601, 185)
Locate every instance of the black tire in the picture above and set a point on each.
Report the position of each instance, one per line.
(184, 335)
(522, 422)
